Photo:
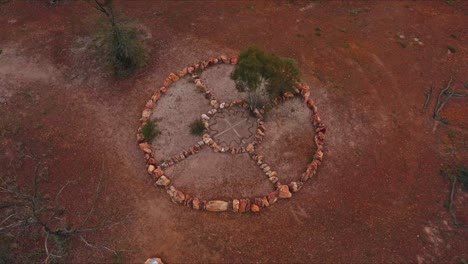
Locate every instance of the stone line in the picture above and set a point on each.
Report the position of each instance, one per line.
(252, 204)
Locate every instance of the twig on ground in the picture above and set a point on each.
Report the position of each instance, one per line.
(450, 207)
(441, 103)
(428, 94)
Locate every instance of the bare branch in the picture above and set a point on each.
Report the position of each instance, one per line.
(450, 207)
(441, 104)
(8, 217)
(61, 189)
(428, 99)
(96, 198)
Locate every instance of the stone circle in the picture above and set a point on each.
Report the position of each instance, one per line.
(231, 129)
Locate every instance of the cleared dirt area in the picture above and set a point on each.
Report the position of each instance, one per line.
(210, 175)
(219, 82)
(378, 197)
(282, 147)
(173, 114)
(233, 128)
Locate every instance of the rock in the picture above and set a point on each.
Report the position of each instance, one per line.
(273, 179)
(205, 117)
(167, 82)
(158, 172)
(146, 113)
(224, 58)
(154, 261)
(196, 203)
(182, 73)
(140, 137)
(235, 206)
(318, 155)
(216, 206)
(272, 197)
(234, 60)
(284, 192)
(265, 202)
(173, 77)
(176, 195)
(151, 169)
(222, 105)
(260, 133)
(190, 69)
(145, 147)
(254, 208)
(163, 181)
(316, 119)
(267, 168)
(163, 89)
(322, 129)
(150, 104)
(295, 186)
(288, 95)
(156, 96)
(244, 205)
(250, 148)
(214, 103)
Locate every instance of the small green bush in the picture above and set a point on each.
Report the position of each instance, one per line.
(122, 46)
(258, 70)
(150, 131)
(197, 127)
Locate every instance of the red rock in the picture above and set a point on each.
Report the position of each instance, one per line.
(158, 172)
(244, 205)
(288, 95)
(254, 208)
(196, 203)
(140, 137)
(173, 77)
(190, 70)
(145, 147)
(224, 58)
(188, 200)
(318, 155)
(167, 82)
(234, 60)
(295, 186)
(272, 197)
(265, 202)
(149, 104)
(182, 73)
(163, 89)
(156, 96)
(284, 192)
(321, 128)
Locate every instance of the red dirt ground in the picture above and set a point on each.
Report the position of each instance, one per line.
(378, 197)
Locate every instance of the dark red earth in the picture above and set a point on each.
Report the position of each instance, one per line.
(379, 195)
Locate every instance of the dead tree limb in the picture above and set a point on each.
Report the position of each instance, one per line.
(450, 207)
(428, 94)
(441, 102)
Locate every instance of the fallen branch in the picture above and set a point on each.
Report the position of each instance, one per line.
(450, 207)
(441, 103)
(428, 94)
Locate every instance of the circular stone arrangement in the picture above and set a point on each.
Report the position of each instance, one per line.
(230, 130)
